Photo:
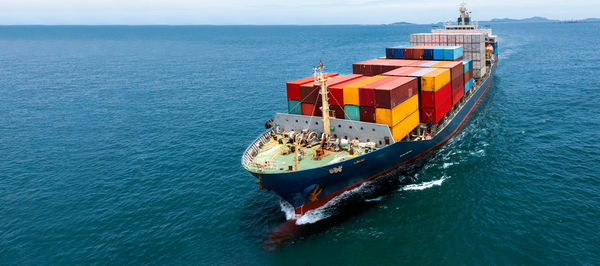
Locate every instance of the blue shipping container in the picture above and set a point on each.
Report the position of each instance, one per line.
(438, 53)
(396, 52)
(352, 112)
(294, 107)
(428, 54)
(389, 53)
(467, 65)
(452, 53)
(469, 85)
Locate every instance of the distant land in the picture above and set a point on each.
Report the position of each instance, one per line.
(512, 20)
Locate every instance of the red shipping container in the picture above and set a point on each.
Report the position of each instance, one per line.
(395, 92)
(377, 66)
(361, 67)
(311, 92)
(311, 109)
(391, 64)
(456, 69)
(468, 76)
(402, 72)
(414, 53)
(457, 95)
(308, 109)
(336, 92)
(338, 111)
(433, 99)
(293, 87)
(367, 114)
(400, 62)
(358, 68)
(373, 68)
(457, 82)
(433, 115)
(366, 94)
(312, 95)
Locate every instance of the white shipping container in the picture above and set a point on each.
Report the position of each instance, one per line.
(428, 38)
(466, 38)
(436, 38)
(443, 38)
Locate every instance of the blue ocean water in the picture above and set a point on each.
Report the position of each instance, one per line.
(123, 144)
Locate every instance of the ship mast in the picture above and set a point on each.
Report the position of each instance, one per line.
(324, 101)
(462, 12)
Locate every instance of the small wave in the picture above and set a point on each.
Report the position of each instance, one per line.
(374, 199)
(424, 185)
(446, 165)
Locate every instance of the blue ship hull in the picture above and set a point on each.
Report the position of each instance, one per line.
(294, 186)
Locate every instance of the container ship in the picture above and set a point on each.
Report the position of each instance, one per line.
(343, 130)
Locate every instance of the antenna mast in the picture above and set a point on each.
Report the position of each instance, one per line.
(462, 12)
(324, 100)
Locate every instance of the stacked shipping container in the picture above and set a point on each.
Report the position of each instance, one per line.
(473, 46)
(397, 92)
(294, 97)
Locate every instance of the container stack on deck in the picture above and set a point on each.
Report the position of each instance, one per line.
(411, 85)
(468, 74)
(302, 101)
(473, 46)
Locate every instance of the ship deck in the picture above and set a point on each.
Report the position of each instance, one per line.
(272, 158)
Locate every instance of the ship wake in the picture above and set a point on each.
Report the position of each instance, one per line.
(424, 185)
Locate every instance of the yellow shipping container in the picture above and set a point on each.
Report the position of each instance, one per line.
(401, 130)
(393, 116)
(439, 64)
(434, 80)
(351, 90)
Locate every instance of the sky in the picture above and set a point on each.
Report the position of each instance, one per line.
(269, 12)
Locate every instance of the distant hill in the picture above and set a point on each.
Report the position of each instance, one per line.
(401, 23)
(510, 20)
(524, 20)
(589, 20)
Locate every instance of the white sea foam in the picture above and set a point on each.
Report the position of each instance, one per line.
(446, 165)
(326, 211)
(374, 199)
(424, 185)
(287, 209)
